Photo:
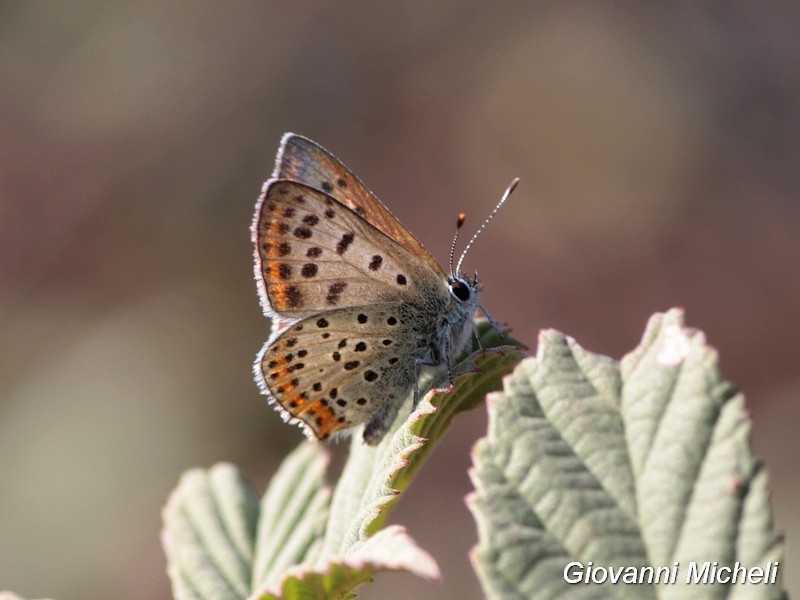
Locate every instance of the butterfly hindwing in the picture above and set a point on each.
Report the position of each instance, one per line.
(333, 371)
(305, 161)
(314, 254)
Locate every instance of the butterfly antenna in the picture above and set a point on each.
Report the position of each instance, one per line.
(460, 223)
(505, 197)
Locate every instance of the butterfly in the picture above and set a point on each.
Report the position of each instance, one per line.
(358, 306)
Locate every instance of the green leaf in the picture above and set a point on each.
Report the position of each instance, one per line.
(389, 550)
(298, 543)
(294, 512)
(641, 464)
(209, 531)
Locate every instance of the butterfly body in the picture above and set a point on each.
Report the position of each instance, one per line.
(358, 306)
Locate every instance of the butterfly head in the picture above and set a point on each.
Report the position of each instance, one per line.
(462, 288)
(466, 290)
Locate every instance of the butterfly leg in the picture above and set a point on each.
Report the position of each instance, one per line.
(477, 337)
(446, 389)
(495, 325)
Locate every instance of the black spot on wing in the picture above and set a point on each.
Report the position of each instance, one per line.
(345, 242)
(302, 232)
(294, 298)
(335, 291)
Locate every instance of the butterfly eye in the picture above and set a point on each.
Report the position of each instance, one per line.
(460, 290)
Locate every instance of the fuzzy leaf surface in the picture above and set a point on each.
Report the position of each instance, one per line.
(633, 464)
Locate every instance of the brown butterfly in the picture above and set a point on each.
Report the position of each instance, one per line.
(358, 306)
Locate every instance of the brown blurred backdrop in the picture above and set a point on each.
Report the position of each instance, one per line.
(658, 146)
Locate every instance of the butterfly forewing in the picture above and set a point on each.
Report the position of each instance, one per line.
(314, 254)
(333, 371)
(305, 161)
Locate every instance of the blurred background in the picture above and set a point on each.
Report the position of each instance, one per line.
(658, 146)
